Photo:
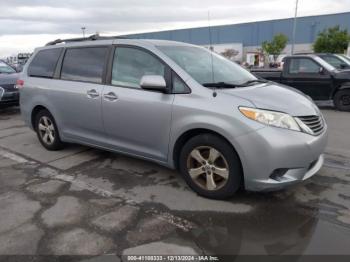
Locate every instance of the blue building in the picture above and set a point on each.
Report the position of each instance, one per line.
(249, 36)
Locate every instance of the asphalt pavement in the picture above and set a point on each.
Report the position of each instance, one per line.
(83, 201)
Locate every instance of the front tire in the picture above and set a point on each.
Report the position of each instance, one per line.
(47, 131)
(211, 167)
(342, 100)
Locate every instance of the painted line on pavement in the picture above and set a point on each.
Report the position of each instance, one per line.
(13, 157)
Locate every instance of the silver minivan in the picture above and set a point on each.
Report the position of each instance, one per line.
(177, 104)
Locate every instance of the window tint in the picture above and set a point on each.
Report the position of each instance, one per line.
(303, 65)
(84, 64)
(131, 64)
(179, 87)
(44, 63)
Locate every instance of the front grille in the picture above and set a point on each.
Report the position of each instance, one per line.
(314, 124)
(9, 87)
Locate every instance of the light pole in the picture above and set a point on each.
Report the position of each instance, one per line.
(295, 25)
(83, 29)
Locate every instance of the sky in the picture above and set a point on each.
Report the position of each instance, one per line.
(26, 24)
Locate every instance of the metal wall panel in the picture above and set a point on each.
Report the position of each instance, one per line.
(253, 34)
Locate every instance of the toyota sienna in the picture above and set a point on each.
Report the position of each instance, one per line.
(176, 104)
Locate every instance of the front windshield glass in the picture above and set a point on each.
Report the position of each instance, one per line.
(323, 63)
(6, 69)
(207, 67)
(345, 58)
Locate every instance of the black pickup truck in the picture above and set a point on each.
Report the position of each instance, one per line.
(314, 77)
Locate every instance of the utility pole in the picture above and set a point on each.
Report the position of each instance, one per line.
(295, 25)
(83, 29)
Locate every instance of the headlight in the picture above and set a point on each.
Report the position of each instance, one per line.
(270, 118)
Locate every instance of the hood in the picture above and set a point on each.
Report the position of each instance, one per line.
(8, 79)
(276, 97)
(342, 74)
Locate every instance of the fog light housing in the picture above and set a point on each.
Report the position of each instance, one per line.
(278, 174)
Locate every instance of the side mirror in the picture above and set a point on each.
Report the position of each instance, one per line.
(153, 82)
(321, 71)
(343, 66)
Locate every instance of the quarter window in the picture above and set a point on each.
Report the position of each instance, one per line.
(131, 64)
(44, 63)
(179, 87)
(303, 65)
(84, 64)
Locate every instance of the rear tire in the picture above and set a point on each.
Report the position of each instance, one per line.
(211, 167)
(47, 131)
(342, 100)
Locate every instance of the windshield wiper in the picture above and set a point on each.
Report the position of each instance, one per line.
(254, 81)
(230, 85)
(221, 85)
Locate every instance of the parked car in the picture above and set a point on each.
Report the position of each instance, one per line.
(314, 77)
(179, 105)
(9, 94)
(339, 61)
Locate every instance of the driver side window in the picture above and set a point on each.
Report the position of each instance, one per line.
(131, 64)
(303, 65)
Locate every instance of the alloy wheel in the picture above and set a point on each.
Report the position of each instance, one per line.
(208, 168)
(46, 130)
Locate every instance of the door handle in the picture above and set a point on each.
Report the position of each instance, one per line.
(92, 93)
(110, 96)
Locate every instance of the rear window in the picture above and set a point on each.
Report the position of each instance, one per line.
(6, 69)
(84, 64)
(44, 63)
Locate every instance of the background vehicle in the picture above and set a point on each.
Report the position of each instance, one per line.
(9, 94)
(179, 105)
(314, 77)
(339, 61)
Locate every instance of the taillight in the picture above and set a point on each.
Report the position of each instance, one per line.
(19, 83)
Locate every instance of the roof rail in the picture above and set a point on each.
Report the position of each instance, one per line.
(89, 38)
(305, 53)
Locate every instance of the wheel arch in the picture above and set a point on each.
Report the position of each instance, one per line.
(345, 85)
(34, 112)
(187, 135)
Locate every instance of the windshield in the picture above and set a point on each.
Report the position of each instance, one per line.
(207, 67)
(323, 63)
(345, 58)
(6, 69)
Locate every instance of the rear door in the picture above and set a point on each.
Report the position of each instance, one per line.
(77, 95)
(304, 74)
(137, 121)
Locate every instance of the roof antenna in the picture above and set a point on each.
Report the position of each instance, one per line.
(211, 48)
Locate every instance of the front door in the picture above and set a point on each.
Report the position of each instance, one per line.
(307, 76)
(137, 121)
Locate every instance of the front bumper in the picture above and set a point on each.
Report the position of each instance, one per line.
(270, 150)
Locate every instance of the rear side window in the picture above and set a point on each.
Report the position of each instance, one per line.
(44, 63)
(84, 64)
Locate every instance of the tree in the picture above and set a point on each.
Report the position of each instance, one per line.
(230, 53)
(276, 46)
(332, 40)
